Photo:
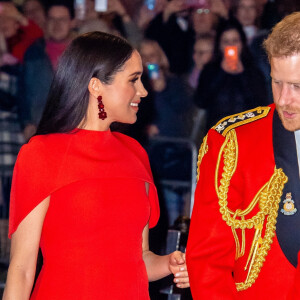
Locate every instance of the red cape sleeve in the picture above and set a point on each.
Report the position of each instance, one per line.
(145, 173)
(153, 197)
(211, 247)
(32, 181)
(154, 206)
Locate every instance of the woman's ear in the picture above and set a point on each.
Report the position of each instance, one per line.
(94, 87)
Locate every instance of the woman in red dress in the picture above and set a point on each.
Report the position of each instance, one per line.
(83, 194)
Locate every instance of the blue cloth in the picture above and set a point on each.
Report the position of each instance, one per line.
(36, 77)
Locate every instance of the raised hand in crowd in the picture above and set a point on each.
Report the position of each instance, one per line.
(8, 10)
(145, 14)
(173, 7)
(115, 6)
(219, 8)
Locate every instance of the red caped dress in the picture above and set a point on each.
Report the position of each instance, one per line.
(92, 234)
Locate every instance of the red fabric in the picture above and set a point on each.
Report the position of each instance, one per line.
(55, 50)
(92, 234)
(211, 250)
(26, 36)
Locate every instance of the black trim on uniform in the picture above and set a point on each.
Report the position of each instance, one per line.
(285, 154)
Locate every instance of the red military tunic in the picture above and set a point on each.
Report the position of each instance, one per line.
(240, 184)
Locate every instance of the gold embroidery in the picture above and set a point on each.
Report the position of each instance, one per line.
(233, 121)
(268, 198)
(203, 150)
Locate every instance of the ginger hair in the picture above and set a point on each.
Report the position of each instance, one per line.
(284, 40)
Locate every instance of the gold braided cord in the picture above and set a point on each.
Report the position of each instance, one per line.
(274, 191)
(203, 150)
(231, 161)
(268, 198)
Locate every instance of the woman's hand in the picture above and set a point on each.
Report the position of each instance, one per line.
(177, 266)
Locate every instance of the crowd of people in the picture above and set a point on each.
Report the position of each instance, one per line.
(184, 42)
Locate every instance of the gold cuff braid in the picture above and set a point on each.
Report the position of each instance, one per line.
(268, 198)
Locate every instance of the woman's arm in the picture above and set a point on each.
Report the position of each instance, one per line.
(161, 266)
(24, 250)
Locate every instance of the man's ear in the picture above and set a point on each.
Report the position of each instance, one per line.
(94, 87)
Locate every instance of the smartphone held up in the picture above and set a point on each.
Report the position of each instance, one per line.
(231, 57)
(153, 71)
(150, 4)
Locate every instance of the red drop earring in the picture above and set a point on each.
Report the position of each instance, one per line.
(102, 114)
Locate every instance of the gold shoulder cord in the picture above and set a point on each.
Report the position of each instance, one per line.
(268, 198)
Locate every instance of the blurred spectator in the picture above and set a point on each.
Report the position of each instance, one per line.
(87, 19)
(147, 13)
(171, 101)
(223, 90)
(204, 21)
(41, 60)
(115, 20)
(203, 51)
(35, 11)
(176, 28)
(172, 31)
(15, 37)
(18, 31)
(246, 13)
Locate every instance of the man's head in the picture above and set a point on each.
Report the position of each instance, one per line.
(59, 22)
(246, 12)
(35, 11)
(283, 50)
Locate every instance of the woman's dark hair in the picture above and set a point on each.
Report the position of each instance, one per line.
(226, 25)
(94, 54)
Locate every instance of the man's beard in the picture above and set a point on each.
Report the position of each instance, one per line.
(289, 124)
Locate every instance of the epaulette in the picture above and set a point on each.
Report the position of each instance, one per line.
(236, 120)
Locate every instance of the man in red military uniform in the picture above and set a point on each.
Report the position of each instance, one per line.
(245, 230)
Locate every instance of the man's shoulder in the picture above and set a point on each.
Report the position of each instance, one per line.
(36, 50)
(246, 118)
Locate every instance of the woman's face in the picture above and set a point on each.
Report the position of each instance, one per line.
(122, 97)
(33, 10)
(203, 50)
(203, 20)
(246, 12)
(231, 38)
